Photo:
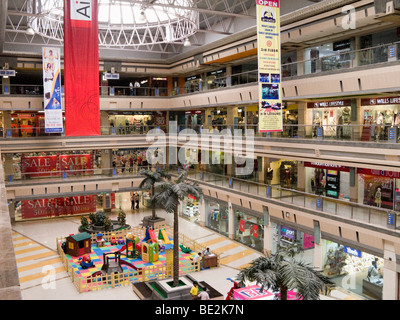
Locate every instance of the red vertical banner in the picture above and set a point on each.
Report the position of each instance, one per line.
(81, 68)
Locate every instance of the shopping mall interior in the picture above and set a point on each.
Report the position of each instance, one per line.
(175, 80)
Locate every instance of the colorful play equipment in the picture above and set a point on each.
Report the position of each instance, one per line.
(149, 236)
(162, 235)
(130, 247)
(185, 249)
(86, 262)
(149, 251)
(113, 239)
(100, 241)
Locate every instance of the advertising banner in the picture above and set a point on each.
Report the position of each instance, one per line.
(76, 164)
(53, 116)
(269, 66)
(57, 206)
(81, 68)
(39, 166)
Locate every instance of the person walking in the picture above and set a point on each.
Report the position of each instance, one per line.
(203, 295)
(137, 200)
(194, 290)
(133, 202)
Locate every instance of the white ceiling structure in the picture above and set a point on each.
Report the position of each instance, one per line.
(127, 26)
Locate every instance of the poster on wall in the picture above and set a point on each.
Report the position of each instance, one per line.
(39, 208)
(269, 66)
(76, 164)
(39, 166)
(81, 68)
(52, 90)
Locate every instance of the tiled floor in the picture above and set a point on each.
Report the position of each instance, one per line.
(42, 275)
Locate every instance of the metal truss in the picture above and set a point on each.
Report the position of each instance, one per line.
(171, 22)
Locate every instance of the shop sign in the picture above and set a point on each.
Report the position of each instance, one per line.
(326, 166)
(329, 104)
(287, 233)
(379, 173)
(39, 166)
(353, 252)
(380, 101)
(76, 162)
(193, 112)
(57, 206)
(7, 73)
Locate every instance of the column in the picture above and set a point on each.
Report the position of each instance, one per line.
(231, 219)
(11, 210)
(230, 117)
(318, 254)
(229, 76)
(267, 233)
(8, 166)
(356, 119)
(262, 166)
(106, 162)
(390, 275)
(301, 176)
(202, 209)
(7, 123)
(104, 123)
(353, 185)
(300, 65)
(5, 84)
(303, 130)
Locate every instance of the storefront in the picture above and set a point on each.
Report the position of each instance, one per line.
(216, 118)
(216, 79)
(130, 160)
(353, 269)
(290, 119)
(378, 188)
(282, 173)
(194, 119)
(329, 180)
(252, 118)
(50, 164)
(190, 209)
(130, 122)
(26, 124)
(379, 114)
(217, 215)
(249, 228)
(193, 84)
(284, 236)
(329, 56)
(333, 115)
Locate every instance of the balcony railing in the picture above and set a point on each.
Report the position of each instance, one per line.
(346, 132)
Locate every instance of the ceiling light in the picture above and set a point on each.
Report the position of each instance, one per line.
(142, 17)
(187, 43)
(29, 31)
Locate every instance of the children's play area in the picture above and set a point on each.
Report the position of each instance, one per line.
(109, 260)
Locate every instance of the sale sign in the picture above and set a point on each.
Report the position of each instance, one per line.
(40, 208)
(39, 166)
(76, 164)
(242, 225)
(255, 231)
(269, 66)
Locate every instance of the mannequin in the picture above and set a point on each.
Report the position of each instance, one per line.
(378, 197)
(269, 174)
(396, 118)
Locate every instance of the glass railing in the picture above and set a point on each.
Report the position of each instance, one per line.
(346, 132)
(343, 60)
(341, 208)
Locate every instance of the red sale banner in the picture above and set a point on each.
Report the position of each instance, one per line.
(39, 166)
(57, 206)
(81, 68)
(255, 231)
(76, 164)
(242, 225)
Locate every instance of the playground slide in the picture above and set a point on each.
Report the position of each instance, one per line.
(95, 274)
(123, 262)
(152, 235)
(122, 248)
(165, 236)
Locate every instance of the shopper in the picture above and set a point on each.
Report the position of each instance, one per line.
(133, 202)
(194, 290)
(130, 88)
(137, 200)
(137, 86)
(203, 295)
(206, 252)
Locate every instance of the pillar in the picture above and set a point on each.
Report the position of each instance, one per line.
(231, 226)
(6, 122)
(302, 119)
(105, 127)
(5, 84)
(300, 65)
(11, 210)
(301, 176)
(267, 233)
(353, 185)
(8, 166)
(318, 248)
(390, 274)
(202, 209)
(106, 162)
(356, 119)
(229, 76)
(232, 113)
(262, 166)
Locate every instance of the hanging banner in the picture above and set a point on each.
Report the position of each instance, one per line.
(39, 166)
(81, 68)
(53, 116)
(76, 164)
(57, 206)
(269, 66)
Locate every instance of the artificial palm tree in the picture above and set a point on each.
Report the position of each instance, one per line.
(169, 194)
(282, 272)
(150, 178)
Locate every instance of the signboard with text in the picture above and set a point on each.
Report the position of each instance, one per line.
(269, 66)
